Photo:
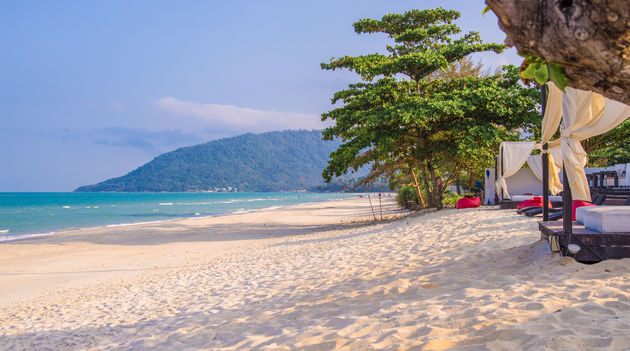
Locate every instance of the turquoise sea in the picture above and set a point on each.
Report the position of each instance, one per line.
(24, 215)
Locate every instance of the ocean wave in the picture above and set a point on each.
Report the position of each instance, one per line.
(242, 210)
(24, 236)
(136, 223)
(165, 203)
(196, 203)
(65, 206)
(4, 231)
(247, 200)
(6, 238)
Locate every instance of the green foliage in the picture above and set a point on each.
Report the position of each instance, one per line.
(556, 75)
(537, 69)
(450, 198)
(275, 161)
(464, 68)
(609, 148)
(407, 197)
(611, 155)
(412, 119)
(424, 43)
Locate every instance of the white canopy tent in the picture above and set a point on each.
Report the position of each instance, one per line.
(580, 115)
(584, 114)
(514, 154)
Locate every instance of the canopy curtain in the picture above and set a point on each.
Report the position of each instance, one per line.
(585, 114)
(553, 113)
(551, 121)
(555, 155)
(535, 164)
(514, 156)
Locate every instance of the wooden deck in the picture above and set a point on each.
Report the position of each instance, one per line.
(595, 246)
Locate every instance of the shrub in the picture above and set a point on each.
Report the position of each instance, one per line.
(450, 199)
(407, 197)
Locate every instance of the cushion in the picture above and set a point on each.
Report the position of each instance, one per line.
(468, 202)
(579, 213)
(519, 198)
(608, 219)
(577, 204)
(536, 201)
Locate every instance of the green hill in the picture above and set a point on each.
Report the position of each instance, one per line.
(274, 161)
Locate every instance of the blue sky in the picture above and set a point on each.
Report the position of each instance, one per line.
(91, 90)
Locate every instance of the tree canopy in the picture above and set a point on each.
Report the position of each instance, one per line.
(610, 148)
(403, 117)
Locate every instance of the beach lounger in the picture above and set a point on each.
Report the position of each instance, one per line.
(539, 210)
(597, 200)
(556, 215)
(524, 209)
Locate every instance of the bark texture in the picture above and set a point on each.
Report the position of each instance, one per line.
(591, 38)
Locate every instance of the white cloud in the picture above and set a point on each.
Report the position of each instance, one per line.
(241, 117)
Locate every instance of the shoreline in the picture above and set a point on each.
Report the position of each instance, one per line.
(34, 267)
(5, 236)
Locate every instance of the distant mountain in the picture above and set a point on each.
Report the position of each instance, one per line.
(275, 161)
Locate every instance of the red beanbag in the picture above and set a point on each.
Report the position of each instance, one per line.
(468, 202)
(536, 201)
(580, 203)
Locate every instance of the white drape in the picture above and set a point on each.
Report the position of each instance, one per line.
(551, 121)
(553, 113)
(585, 114)
(535, 164)
(556, 155)
(514, 156)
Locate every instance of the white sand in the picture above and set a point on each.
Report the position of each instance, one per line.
(475, 279)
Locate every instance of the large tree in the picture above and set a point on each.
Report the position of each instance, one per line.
(410, 120)
(590, 39)
(610, 148)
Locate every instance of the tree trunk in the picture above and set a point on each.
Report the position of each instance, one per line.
(590, 38)
(437, 192)
(459, 192)
(427, 181)
(586, 144)
(471, 179)
(418, 191)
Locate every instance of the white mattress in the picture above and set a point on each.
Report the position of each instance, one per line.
(519, 198)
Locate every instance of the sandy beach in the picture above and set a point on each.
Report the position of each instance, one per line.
(320, 277)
